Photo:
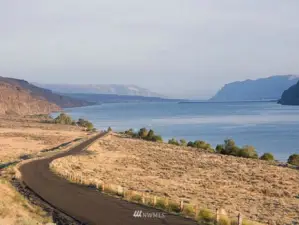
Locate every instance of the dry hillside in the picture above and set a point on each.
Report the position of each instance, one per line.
(255, 188)
(16, 100)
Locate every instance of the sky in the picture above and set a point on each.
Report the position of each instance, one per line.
(179, 48)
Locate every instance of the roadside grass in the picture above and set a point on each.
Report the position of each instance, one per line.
(16, 210)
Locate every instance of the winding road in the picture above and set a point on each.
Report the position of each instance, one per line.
(85, 204)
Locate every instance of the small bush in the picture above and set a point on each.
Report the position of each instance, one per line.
(190, 144)
(174, 207)
(183, 142)
(157, 138)
(129, 132)
(224, 220)
(206, 216)
(267, 157)
(150, 135)
(63, 119)
(143, 132)
(173, 142)
(136, 198)
(219, 148)
(248, 152)
(161, 203)
(109, 129)
(188, 210)
(294, 159)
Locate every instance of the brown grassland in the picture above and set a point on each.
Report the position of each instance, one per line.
(22, 136)
(259, 190)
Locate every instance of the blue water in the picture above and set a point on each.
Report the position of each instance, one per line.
(267, 126)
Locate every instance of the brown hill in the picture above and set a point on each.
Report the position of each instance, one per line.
(16, 100)
(47, 95)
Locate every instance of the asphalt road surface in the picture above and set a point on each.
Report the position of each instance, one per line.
(85, 204)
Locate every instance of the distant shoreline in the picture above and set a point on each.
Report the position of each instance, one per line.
(249, 101)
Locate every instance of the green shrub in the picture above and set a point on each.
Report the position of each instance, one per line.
(219, 148)
(150, 135)
(173, 142)
(157, 138)
(188, 210)
(174, 207)
(63, 119)
(247, 152)
(161, 203)
(294, 159)
(136, 198)
(230, 148)
(143, 132)
(190, 144)
(85, 123)
(224, 220)
(206, 216)
(130, 132)
(183, 142)
(267, 157)
(109, 129)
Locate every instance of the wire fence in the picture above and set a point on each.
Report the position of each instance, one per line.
(179, 207)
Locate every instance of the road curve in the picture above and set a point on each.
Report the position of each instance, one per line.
(84, 204)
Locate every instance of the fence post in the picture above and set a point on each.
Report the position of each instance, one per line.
(181, 205)
(155, 200)
(239, 219)
(196, 211)
(103, 187)
(217, 215)
(142, 198)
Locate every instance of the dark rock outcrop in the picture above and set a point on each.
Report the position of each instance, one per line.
(290, 96)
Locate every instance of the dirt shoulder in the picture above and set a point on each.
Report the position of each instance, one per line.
(255, 188)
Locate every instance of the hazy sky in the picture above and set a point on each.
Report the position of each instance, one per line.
(175, 47)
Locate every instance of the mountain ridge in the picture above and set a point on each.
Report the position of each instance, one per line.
(19, 97)
(270, 88)
(118, 89)
(48, 95)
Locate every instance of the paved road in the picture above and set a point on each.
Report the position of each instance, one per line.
(84, 204)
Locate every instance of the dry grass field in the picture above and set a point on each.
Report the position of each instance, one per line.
(20, 136)
(258, 190)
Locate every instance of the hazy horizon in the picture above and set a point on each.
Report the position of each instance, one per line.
(176, 48)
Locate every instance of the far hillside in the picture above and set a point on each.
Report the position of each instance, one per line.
(44, 94)
(111, 98)
(270, 88)
(290, 96)
(110, 89)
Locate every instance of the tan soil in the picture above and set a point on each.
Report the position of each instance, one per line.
(258, 190)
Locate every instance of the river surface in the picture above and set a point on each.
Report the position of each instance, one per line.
(268, 126)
